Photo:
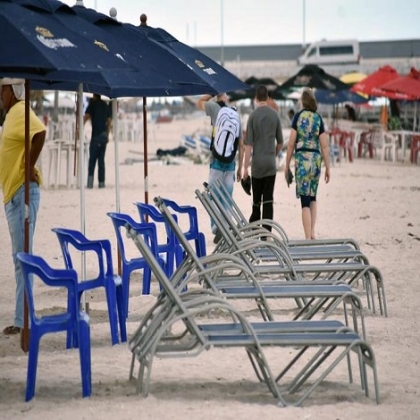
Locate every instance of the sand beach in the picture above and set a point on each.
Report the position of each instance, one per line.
(377, 203)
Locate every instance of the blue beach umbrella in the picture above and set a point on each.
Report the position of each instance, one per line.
(132, 75)
(207, 69)
(182, 64)
(35, 45)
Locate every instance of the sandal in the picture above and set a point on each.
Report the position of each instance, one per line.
(11, 330)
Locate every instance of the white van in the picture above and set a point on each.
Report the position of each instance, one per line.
(331, 52)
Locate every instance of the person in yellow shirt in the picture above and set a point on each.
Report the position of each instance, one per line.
(12, 178)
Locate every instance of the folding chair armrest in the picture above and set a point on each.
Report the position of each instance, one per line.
(274, 225)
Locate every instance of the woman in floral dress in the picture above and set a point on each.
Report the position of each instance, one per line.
(309, 143)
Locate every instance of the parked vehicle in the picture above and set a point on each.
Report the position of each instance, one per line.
(331, 52)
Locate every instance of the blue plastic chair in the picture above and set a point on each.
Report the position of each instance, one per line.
(148, 231)
(71, 320)
(105, 276)
(170, 251)
(192, 233)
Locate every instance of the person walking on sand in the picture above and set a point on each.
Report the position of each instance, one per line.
(99, 113)
(309, 143)
(219, 170)
(12, 179)
(264, 141)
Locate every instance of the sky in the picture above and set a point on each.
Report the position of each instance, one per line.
(258, 22)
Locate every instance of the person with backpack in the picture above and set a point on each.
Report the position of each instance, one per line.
(264, 141)
(226, 141)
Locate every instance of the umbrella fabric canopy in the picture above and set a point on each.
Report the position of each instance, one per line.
(407, 85)
(141, 76)
(334, 98)
(371, 85)
(186, 80)
(208, 70)
(37, 44)
(353, 77)
(274, 90)
(314, 77)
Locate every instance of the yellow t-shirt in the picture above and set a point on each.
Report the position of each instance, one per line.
(12, 148)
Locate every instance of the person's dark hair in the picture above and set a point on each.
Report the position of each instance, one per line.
(308, 100)
(261, 93)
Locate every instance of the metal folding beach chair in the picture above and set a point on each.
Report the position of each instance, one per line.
(227, 274)
(174, 327)
(285, 267)
(241, 221)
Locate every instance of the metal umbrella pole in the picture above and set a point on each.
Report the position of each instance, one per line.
(82, 158)
(117, 167)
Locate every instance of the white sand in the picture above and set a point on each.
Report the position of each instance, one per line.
(375, 203)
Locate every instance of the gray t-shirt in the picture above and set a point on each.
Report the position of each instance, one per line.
(263, 132)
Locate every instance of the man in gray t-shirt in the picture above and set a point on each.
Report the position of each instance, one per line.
(264, 140)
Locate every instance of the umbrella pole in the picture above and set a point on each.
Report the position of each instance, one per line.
(24, 335)
(76, 137)
(146, 175)
(117, 168)
(85, 306)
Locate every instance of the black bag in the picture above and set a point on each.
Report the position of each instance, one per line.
(289, 177)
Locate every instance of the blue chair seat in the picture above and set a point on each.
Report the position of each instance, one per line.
(105, 277)
(193, 232)
(128, 265)
(72, 320)
(169, 250)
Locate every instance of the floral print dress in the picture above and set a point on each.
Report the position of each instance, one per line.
(309, 126)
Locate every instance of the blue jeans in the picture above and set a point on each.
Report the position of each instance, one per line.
(15, 214)
(227, 178)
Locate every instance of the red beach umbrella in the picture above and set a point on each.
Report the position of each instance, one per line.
(407, 85)
(371, 84)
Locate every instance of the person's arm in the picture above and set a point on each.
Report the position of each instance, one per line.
(202, 101)
(248, 147)
(86, 117)
(290, 148)
(279, 138)
(36, 147)
(108, 127)
(247, 159)
(325, 155)
(240, 159)
(279, 146)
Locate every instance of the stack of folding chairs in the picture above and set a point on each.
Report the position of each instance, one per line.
(254, 264)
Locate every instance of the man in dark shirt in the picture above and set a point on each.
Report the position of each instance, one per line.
(99, 113)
